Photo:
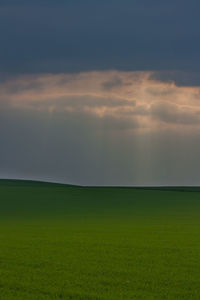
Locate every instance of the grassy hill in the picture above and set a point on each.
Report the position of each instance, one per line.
(71, 242)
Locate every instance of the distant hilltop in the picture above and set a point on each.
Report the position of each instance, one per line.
(32, 183)
(23, 182)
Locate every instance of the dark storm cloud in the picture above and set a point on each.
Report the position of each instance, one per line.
(179, 78)
(70, 36)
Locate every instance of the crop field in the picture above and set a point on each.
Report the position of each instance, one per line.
(93, 243)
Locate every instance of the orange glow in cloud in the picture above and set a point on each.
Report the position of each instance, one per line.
(133, 97)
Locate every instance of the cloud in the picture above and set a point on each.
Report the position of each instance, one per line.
(174, 114)
(100, 92)
(69, 128)
(74, 102)
(77, 36)
(180, 78)
(114, 82)
(134, 97)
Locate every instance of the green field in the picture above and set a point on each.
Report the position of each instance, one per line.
(70, 242)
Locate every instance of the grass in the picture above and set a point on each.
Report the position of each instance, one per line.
(65, 242)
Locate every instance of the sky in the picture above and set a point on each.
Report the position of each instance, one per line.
(100, 92)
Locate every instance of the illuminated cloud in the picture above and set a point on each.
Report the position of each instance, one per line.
(136, 99)
(123, 128)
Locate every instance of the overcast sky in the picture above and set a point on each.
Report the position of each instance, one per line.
(100, 92)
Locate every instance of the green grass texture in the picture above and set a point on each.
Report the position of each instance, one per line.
(98, 243)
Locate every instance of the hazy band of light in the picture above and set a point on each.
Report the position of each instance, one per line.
(132, 98)
(112, 128)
